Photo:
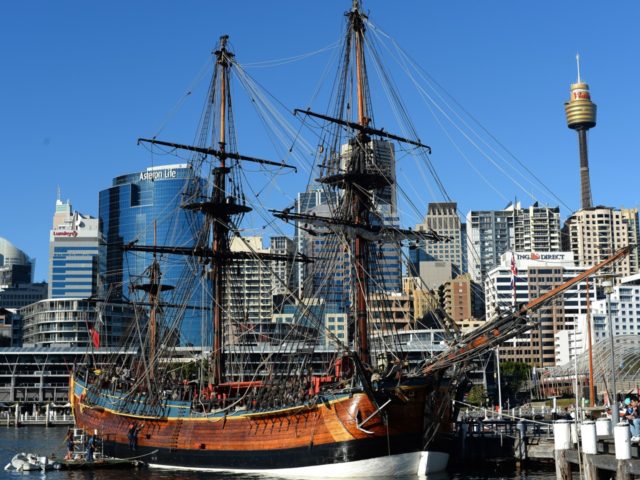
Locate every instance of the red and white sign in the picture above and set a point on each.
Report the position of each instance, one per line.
(65, 233)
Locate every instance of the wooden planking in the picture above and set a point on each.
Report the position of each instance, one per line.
(318, 425)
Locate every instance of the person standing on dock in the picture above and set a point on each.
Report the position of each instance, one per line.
(70, 445)
(91, 446)
(132, 435)
(632, 416)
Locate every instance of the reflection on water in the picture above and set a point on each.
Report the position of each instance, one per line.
(47, 441)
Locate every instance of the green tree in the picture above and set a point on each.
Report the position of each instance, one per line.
(476, 395)
(514, 375)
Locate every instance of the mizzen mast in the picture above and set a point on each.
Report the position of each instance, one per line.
(153, 288)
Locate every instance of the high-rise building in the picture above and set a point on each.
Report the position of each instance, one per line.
(311, 201)
(143, 208)
(492, 233)
(385, 263)
(593, 234)
(73, 254)
(23, 294)
(15, 266)
(422, 299)
(442, 218)
(16, 276)
(537, 273)
(380, 158)
(249, 288)
(285, 280)
(67, 322)
(330, 276)
(537, 229)
(8, 319)
(622, 307)
(391, 312)
(459, 299)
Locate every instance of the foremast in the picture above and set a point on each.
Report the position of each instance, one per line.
(221, 205)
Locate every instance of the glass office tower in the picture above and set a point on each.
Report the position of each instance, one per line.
(128, 210)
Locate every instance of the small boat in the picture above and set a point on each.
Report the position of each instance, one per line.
(100, 463)
(24, 462)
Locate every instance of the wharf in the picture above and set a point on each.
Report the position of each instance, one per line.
(53, 419)
(497, 442)
(605, 459)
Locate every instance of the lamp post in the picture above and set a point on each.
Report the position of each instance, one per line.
(499, 382)
(615, 414)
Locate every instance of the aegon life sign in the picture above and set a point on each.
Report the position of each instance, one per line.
(158, 174)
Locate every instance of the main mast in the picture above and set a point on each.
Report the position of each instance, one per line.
(220, 241)
(354, 171)
(360, 203)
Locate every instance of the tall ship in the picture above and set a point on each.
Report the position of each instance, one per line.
(358, 407)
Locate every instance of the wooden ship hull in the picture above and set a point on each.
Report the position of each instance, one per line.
(347, 429)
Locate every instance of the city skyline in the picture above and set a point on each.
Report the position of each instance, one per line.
(83, 82)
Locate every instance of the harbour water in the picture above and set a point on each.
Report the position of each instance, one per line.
(47, 441)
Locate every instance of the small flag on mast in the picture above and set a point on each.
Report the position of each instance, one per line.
(95, 337)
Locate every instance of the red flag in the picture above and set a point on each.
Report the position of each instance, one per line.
(95, 337)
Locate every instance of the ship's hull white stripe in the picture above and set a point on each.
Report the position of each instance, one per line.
(415, 463)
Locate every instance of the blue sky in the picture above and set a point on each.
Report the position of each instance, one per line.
(81, 81)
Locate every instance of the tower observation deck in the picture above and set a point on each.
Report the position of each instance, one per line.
(581, 116)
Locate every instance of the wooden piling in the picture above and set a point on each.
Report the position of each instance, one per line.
(520, 445)
(623, 470)
(562, 443)
(563, 469)
(589, 469)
